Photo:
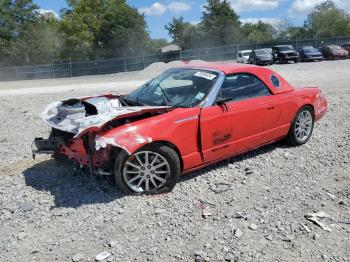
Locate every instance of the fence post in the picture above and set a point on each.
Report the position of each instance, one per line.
(53, 71)
(180, 54)
(143, 60)
(36, 73)
(70, 66)
(125, 65)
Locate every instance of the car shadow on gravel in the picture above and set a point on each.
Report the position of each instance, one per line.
(70, 189)
(74, 190)
(251, 154)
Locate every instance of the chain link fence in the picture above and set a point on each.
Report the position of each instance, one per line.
(116, 65)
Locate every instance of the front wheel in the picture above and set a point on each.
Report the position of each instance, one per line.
(302, 126)
(153, 169)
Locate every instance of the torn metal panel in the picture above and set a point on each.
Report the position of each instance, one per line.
(79, 116)
(128, 138)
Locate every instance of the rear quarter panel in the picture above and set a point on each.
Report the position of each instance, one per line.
(291, 102)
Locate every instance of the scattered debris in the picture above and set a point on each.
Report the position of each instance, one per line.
(317, 217)
(102, 256)
(242, 214)
(219, 188)
(305, 227)
(203, 204)
(331, 195)
(253, 227)
(248, 171)
(158, 211)
(113, 243)
(315, 236)
(78, 257)
(26, 207)
(207, 213)
(238, 233)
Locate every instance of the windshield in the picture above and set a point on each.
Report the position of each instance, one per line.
(246, 53)
(180, 87)
(334, 47)
(285, 48)
(262, 52)
(309, 49)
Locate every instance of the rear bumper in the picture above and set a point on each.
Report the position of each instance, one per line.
(321, 107)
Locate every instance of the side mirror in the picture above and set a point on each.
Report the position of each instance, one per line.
(222, 100)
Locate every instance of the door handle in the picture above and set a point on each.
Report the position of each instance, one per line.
(271, 108)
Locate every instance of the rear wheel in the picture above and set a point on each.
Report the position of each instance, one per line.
(153, 169)
(301, 127)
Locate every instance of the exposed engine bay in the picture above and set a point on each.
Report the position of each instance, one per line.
(76, 124)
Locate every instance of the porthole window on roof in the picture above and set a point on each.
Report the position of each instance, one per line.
(275, 82)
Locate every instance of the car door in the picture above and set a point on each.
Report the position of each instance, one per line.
(246, 120)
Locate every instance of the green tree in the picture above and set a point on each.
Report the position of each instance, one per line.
(327, 20)
(220, 23)
(256, 33)
(39, 42)
(183, 33)
(14, 16)
(123, 30)
(154, 45)
(106, 27)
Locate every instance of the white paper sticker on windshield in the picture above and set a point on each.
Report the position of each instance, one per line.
(199, 96)
(205, 75)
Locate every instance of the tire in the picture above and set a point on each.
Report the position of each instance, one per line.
(296, 60)
(125, 174)
(296, 137)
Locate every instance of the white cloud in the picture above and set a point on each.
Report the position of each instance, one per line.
(254, 5)
(303, 7)
(178, 7)
(254, 20)
(48, 11)
(157, 8)
(195, 22)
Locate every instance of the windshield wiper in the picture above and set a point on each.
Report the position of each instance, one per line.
(164, 95)
(123, 101)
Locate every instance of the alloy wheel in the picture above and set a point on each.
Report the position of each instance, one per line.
(146, 171)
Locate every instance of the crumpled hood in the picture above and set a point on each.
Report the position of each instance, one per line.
(81, 115)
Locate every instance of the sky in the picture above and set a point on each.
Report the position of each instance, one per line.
(160, 12)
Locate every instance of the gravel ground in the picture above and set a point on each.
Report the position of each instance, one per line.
(49, 214)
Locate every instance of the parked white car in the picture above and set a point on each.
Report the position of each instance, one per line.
(243, 55)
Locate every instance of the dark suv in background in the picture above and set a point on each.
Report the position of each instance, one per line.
(309, 53)
(285, 53)
(261, 57)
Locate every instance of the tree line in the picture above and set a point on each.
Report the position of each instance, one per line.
(220, 25)
(98, 29)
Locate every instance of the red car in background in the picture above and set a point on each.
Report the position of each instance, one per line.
(184, 119)
(346, 47)
(334, 52)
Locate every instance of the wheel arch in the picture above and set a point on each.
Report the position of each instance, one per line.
(169, 144)
(308, 105)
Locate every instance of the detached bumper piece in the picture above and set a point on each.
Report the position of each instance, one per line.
(44, 146)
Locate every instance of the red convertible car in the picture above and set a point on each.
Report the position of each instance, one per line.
(186, 118)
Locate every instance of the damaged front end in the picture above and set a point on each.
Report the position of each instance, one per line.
(77, 125)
